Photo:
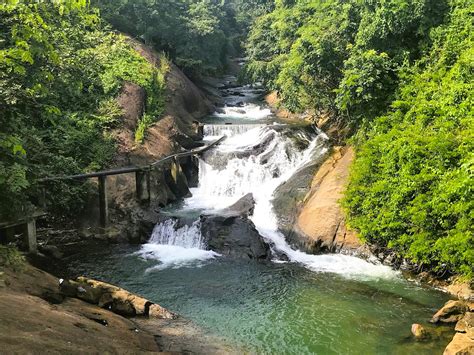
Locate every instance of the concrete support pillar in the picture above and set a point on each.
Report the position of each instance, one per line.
(29, 236)
(142, 179)
(103, 202)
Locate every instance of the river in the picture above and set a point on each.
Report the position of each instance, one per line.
(295, 304)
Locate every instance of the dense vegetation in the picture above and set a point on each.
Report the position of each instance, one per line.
(60, 72)
(62, 66)
(401, 72)
(198, 36)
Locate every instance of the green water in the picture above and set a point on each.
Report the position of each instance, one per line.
(273, 308)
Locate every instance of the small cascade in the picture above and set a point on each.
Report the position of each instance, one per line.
(169, 233)
(176, 246)
(246, 111)
(229, 130)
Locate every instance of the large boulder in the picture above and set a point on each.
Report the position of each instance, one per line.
(231, 233)
(234, 236)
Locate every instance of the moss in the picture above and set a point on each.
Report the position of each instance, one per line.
(11, 257)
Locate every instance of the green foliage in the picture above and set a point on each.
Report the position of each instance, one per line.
(339, 57)
(412, 185)
(402, 72)
(192, 33)
(61, 70)
(11, 258)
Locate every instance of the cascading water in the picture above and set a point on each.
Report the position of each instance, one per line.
(261, 307)
(176, 246)
(255, 158)
(219, 130)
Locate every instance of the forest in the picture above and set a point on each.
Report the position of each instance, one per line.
(400, 75)
(397, 73)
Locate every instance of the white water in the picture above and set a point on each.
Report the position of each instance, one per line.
(248, 111)
(176, 247)
(219, 130)
(236, 168)
(220, 188)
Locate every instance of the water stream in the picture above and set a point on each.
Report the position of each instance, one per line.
(325, 304)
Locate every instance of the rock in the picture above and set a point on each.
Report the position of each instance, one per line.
(52, 251)
(451, 312)
(68, 288)
(242, 208)
(461, 290)
(89, 294)
(156, 311)
(466, 324)
(116, 299)
(419, 332)
(234, 236)
(321, 220)
(461, 344)
(113, 298)
(53, 297)
(176, 180)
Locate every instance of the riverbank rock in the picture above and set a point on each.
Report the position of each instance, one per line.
(451, 312)
(318, 225)
(321, 220)
(113, 298)
(461, 344)
(462, 313)
(35, 319)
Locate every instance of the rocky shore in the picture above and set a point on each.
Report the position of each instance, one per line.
(40, 312)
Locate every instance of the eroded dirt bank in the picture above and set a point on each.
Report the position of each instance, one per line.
(175, 131)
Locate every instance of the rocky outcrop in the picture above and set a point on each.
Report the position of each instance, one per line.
(36, 318)
(321, 220)
(451, 312)
(312, 216)
(229, 232)
(113, 298)
(462, 314)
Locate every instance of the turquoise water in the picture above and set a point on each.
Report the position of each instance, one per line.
(273, 308)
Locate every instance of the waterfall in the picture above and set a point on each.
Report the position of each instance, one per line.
(247, 111)
(176, 246)
(229, 130)
(261, 173)
(256, 158)
(168, 233)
